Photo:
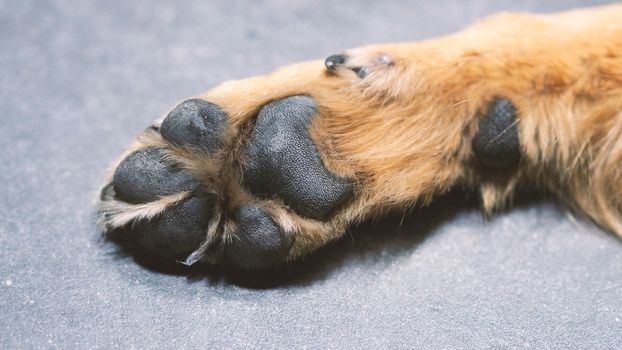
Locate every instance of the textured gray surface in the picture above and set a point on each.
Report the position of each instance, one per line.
(78, 79)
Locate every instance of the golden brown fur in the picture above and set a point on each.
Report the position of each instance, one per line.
(404, 132)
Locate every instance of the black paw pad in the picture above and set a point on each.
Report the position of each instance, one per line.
(496, 143)
(145, 175)
(258, 242)
(176, 232)
(282, 160)
(195, 123)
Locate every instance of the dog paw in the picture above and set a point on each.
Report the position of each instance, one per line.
(198, 187)
(266, 170)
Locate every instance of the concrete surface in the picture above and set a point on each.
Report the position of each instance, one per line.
(78, 79)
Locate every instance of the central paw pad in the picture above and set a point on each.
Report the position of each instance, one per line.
(282, 160)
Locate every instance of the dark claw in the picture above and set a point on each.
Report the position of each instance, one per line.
(258, 242)
(195, 123)
(334, 61)
(144, 176)
(361, 72)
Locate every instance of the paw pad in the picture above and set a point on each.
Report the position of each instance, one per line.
(496, 143)
(195, 123)
(258, 241)
(177, 231)
(145, 175)
(282, 160)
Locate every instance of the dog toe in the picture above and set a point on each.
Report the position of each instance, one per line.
(145, 175)
(177, 231)
(258, 241)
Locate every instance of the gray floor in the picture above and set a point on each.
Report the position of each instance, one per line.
(78, 79)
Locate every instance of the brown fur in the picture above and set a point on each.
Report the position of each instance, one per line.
(404, 132)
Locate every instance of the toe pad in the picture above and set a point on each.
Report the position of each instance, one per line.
(176, 232)
(145, 175)
(195, 123)
(258, 241)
